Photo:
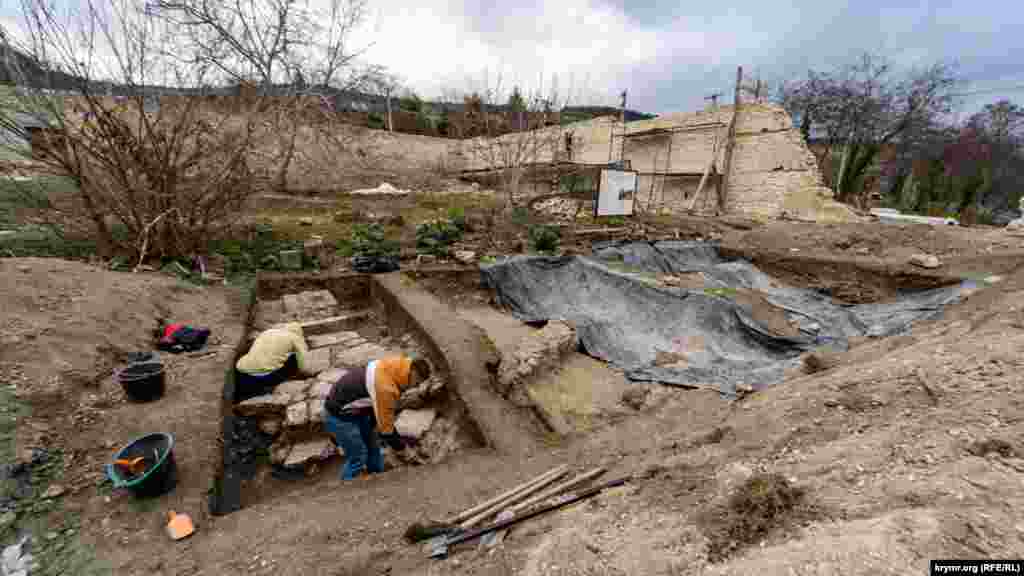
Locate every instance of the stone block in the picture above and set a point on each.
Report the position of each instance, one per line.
(294, 389)
(321, 390)
(925, 261)
(316, 411)
(357, 356)
(279, 452)
(414, 423)
(319, 360)
(297, 415)
(266, 405)
(332, 375)
(310, 305)
(313, 450)
(271, 426)
(334, 324)
(535, 353)
(334, 339)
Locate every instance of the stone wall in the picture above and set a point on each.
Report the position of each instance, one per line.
(773, 172)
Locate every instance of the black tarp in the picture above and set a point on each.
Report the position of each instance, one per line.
(623, 317)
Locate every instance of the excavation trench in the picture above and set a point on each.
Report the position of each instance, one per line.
(276, 442)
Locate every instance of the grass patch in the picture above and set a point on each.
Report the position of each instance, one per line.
(762, 506)
(721, 292)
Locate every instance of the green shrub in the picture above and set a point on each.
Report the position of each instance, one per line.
(520, 216)
(457, 216)
(369, 240)
(436, 236)
(545, 238)
(46, 242)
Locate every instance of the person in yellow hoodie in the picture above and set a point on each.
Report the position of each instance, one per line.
(276, 355)
(362, 403)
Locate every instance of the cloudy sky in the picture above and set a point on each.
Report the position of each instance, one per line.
(669, 55)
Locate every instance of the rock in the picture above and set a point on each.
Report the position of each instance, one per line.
(925, 260)
(636, 396)
(349, 339)
(263, 405)
(332, 375)
(467, 257)
(54, 491)
(298, 415)
(51, 536)
(306, 221)
(535, 353)
(316, 411)
(319, 360)
(279, 452)
(321, 390)
(425, 259)
(309, 305)
(304, 452)
(271, 426)
(357, 356)
(414, 423)
(294, 389)
(24, 268)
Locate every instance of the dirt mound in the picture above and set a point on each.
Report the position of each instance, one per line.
(66, 327)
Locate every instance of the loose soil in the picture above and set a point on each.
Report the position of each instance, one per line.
(909, 448)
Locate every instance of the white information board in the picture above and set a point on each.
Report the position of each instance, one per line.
(615, 192)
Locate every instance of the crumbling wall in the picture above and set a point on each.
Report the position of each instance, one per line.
(773, 173)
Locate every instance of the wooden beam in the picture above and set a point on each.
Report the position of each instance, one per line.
(504, 496)
(730, 143)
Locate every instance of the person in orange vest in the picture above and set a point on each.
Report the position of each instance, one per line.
(360, 410)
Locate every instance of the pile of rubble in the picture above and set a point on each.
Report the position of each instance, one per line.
(293, 415)
(535, 354)
(565, 208)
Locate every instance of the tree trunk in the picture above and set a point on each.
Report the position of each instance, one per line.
(281, 183)
(104, 239)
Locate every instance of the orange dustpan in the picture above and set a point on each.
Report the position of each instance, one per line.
(179, 525)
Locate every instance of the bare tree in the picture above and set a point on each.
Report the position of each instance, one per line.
(292, 51)
(132, 106)
(511, 153)
(862, 107)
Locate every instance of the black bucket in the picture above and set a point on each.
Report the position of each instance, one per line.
(143, 382)
(142, 357)
(160, 474)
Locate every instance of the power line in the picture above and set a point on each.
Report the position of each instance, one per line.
(1012, 88)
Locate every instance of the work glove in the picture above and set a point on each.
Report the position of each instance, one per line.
(394, 441)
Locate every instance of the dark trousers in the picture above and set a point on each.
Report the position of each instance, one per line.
(248, 386)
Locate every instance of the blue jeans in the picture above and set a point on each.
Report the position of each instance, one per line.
(357, 436)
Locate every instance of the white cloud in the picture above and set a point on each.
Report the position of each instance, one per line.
(443, 44)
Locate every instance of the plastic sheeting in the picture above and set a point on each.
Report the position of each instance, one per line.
(690, 337)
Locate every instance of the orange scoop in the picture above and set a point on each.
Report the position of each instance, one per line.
(134, 466)
(179, 525)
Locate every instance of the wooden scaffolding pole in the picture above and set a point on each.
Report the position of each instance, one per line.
(730, 143)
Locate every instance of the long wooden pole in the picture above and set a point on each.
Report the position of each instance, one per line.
(553, 491)
(505, 495)
(518, 496)
(730, 143)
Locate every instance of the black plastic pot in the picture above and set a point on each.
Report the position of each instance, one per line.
(160, 475)
(143, 382)
(142, 357)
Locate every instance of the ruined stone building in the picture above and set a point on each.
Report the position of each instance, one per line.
(772, 172)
